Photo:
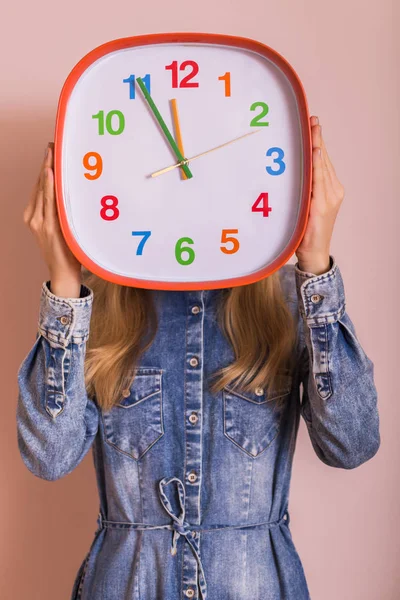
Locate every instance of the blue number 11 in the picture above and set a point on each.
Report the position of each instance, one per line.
(131, 80)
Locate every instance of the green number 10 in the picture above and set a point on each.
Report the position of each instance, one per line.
(109, 124)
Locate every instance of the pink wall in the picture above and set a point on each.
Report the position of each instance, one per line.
(344, 523)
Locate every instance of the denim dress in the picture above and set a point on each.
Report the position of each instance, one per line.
(193, 487)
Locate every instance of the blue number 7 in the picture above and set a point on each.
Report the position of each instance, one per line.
(146, 235)
(278, 160)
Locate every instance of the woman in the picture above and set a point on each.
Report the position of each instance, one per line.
(191, 403)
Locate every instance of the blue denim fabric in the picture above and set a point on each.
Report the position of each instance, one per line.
(193, 487)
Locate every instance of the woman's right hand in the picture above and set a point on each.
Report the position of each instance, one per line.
(40, 215)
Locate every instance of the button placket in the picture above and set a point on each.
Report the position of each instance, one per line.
(193, 425)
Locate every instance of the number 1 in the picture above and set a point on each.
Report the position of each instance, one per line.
(227, 79)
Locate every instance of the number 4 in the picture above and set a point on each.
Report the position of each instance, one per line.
(265, 209)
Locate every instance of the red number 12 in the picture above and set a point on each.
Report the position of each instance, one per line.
(185, 81)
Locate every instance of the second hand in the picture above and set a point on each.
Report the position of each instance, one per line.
(186, 161)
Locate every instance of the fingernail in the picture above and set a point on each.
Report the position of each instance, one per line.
(46, 152)
(317, 120)
(319, 151)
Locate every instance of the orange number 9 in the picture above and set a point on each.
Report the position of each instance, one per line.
(97, 167)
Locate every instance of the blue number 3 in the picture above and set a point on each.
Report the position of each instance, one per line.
(277, 160)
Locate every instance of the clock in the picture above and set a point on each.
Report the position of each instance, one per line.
(183, 161)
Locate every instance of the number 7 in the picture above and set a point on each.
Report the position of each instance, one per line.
(146, 235)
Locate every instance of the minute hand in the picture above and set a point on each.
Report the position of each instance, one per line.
(164, 127)
(187, 160)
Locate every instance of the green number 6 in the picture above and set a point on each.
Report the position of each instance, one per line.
(179, 250)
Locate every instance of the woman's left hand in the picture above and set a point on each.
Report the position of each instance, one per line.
(313, 253)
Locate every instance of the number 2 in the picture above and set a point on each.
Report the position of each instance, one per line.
(257, 120)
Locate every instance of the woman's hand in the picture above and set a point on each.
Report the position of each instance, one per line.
(40, 215)
(313, 253)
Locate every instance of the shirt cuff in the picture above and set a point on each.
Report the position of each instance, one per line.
(321, 297)
(65, 320)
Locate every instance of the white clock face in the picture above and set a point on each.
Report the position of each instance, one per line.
(239, 207)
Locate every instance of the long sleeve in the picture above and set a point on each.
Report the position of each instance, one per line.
(339, 403)
(56, 421)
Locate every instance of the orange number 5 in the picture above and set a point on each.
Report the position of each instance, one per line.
(225, 238)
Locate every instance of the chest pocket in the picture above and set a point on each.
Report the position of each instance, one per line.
(135, 424)
(252, 420)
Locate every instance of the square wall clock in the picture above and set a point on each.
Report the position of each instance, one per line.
(183, 161)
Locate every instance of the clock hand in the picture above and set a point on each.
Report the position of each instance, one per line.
(185, 161)
(163, 125)
(177, 127)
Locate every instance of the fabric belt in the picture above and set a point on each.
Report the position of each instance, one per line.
(181, 527)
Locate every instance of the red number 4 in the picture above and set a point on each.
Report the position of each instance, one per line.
(265, 209)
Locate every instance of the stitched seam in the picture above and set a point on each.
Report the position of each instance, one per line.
(330, 275)
(64, 302)
(184, 412)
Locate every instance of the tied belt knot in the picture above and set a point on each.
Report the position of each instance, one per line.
(180, 527)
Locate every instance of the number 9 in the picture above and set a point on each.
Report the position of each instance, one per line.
(97, 167)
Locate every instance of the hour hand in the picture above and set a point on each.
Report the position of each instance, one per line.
(164, 128)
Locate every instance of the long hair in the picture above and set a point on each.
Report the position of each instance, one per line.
(254, 318)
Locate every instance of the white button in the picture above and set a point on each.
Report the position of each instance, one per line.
(316, 298)
(64, 320)
(193, 418)
(192, 477)
(195, 310)
(194, 362)
(285, 517)
(259, 391)
(189, 592)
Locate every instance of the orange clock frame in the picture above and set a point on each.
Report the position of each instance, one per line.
(199, 38)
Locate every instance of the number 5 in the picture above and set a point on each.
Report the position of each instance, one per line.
(225, 238)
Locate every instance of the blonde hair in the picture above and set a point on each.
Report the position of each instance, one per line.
(254, 318)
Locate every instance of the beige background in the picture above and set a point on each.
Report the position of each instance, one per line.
(344, 523)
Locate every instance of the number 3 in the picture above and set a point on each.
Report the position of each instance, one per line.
(277, 160)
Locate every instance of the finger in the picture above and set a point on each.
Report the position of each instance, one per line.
(49, 208)
(44, 163)
(38, 215)
(335, 184)
(318, 177)
(327, 160)
(318, 143)
(30, 207)
(49, 158)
